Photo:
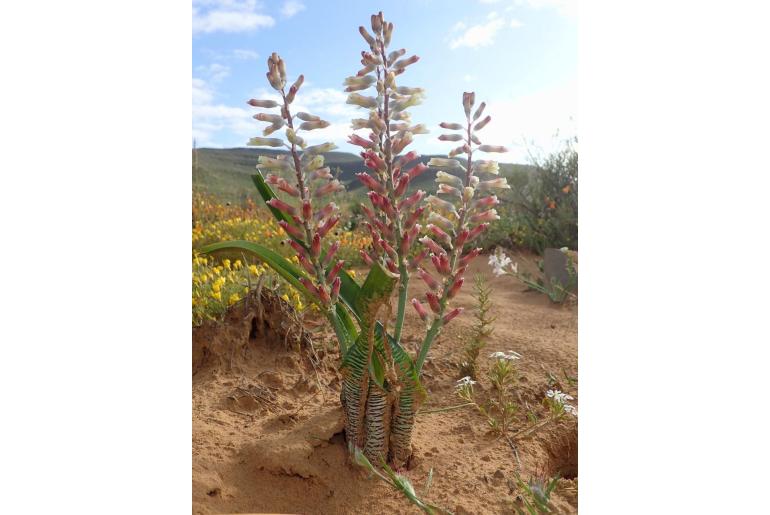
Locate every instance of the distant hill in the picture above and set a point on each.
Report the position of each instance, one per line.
(226, 173)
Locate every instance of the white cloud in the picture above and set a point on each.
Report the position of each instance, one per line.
(469, 78)
(240, 53)
(292, 7)
(209, 119)
(215, 72)
(228, 16)
(515, 24)
(478, 36)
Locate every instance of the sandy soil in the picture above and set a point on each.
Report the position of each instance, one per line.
(267, 428)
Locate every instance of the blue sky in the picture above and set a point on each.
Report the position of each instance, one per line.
(520, 56)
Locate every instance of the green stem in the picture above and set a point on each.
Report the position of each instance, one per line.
(427, 342)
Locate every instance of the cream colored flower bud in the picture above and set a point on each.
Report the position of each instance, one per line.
(493, 148)
(445, 178)
(306, 117)
(265, 142)
(468, 193)
(309, 126)
(486, 167)
(450, 164)
(450, 137)
(362, 101)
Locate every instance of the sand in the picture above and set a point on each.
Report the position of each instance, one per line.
(267, 427)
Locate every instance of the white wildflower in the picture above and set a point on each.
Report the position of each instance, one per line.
(569, 408)
(465, 381)
(558, 396)
(499, 261)
(510, 355)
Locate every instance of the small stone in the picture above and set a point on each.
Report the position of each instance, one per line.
(499, 474)
(485, 458)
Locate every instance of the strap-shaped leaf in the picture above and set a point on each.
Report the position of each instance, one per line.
(267, 194)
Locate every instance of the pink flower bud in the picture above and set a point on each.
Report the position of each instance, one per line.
(376, 199)
(407, 158)
(307, 265)
(468, 100)
(492, 148)
(476, 231)
(291, 229)
(470, 256)
(315, 246)
(412, 218)
(441, 262)
(432, 245)
(461, 238)
(307, 209)
(486, 202)
(335, 270)
(420, 309)
(415, 263)
(446, 189)
(336, 284)
(432, 283)
(385, 230)
(288, 188)
(325, 211)
(368, 212)
(450, 126)
(355, 139)
(329, 188)
(433, 302)
(298, 248)
(403, 183)
(280, 205)
(486, 216)
(272, 179)
(456, 285)
(418, 169)
(324, 295)
(482, 123)
(373, 161)
(439, 234)
(370, 182)
(309, 285)
(263, 103)
(330, 253)
(327, 225)
(450, 137)
(366, 257)
(390, 265)
(411, 200)
(449, 316)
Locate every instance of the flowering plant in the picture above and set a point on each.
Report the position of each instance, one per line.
(381, 390)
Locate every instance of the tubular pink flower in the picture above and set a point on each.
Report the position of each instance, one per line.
(331, 252)
(421, 311)
(433, 302)
(324, 295)
(486, 202)
(449, 316)
(315, 246)
(411, 200)
(390, 265)
(403, 183)
(288, 188)
(439, 233)
(282, 206)
(325, 211)
(366, 257)
(389, 250)
(441, 263)
(370, 182)
(307, 265)
(298, 248)
(307, 209)
(486, 216)
(335, 270)
(327, 225)
(411, 220)
(476, 231)
(446, 189)
(309, 285)
(291, 229)
(416, 170)
(432, 283)
(456, 285)
(432, 245)
(415, 263)
(470, 256)
(461, 238)
(329, 188)
(336, 284)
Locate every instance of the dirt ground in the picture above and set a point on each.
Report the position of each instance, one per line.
(267, 427)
